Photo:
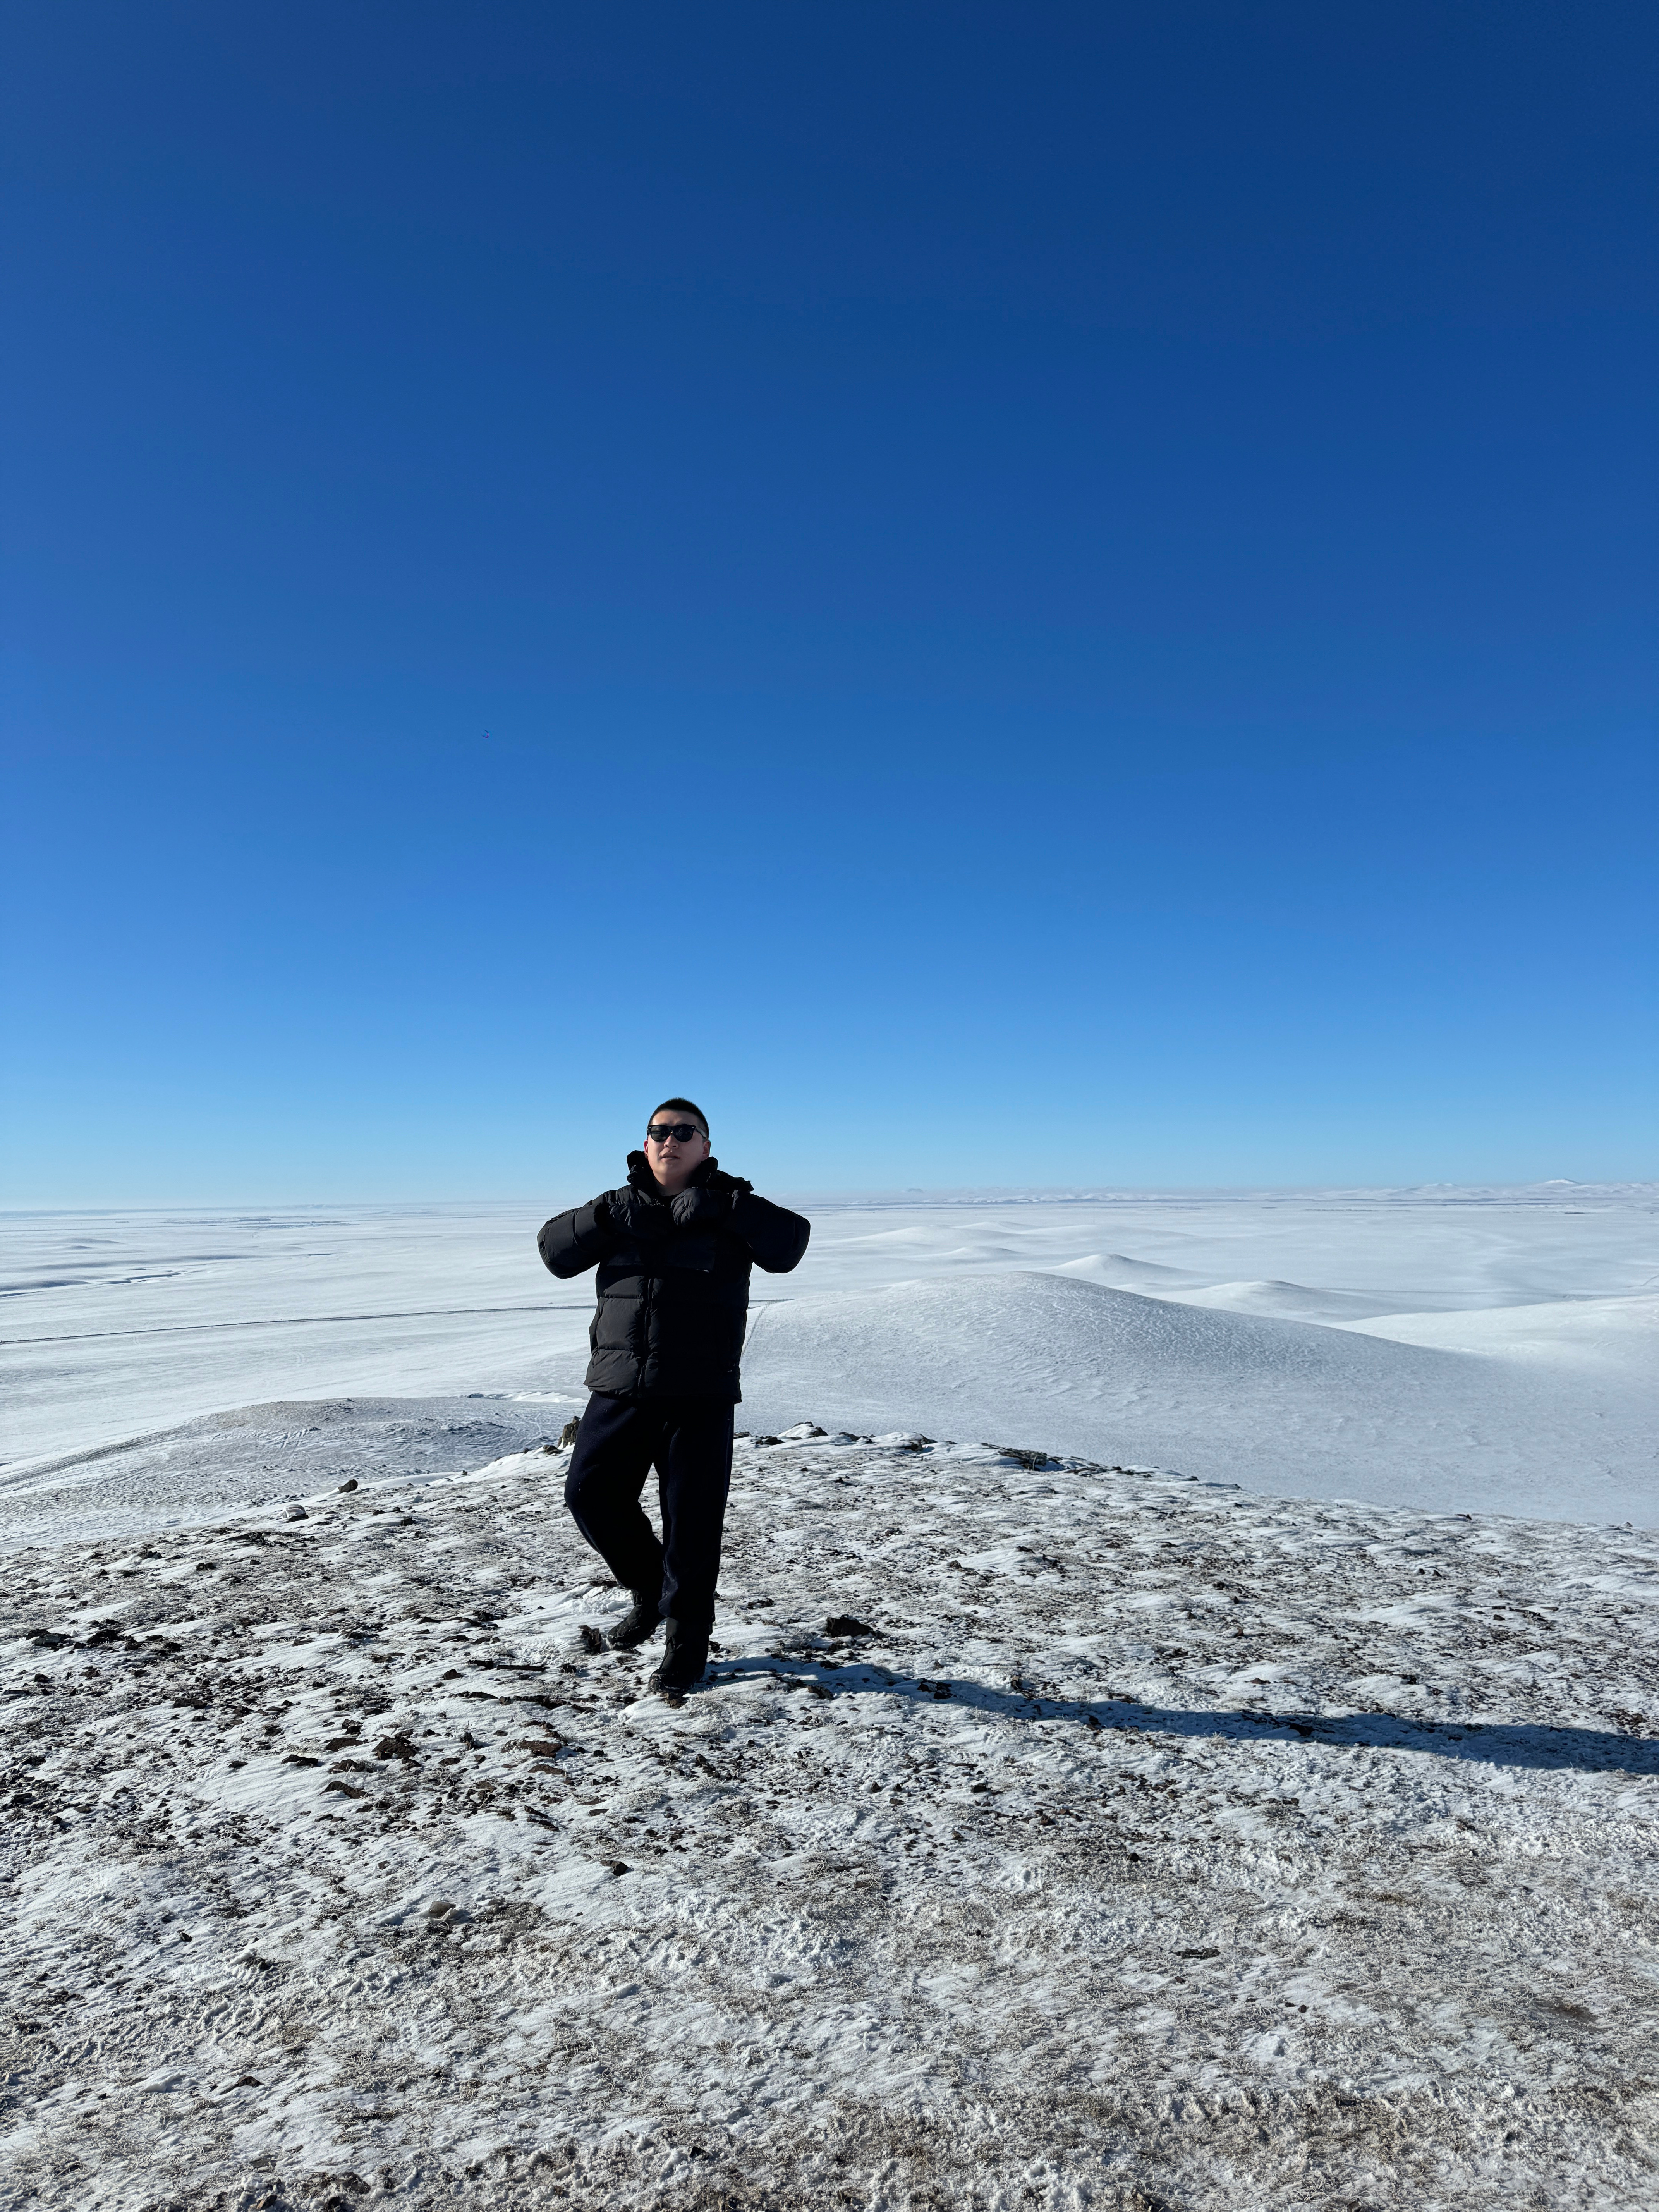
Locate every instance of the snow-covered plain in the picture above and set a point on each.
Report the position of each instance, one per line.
(1459, 1349)
(1283, 1838)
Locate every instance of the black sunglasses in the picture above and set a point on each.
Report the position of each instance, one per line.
(660, 1131)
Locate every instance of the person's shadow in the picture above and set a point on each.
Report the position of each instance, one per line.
(1492, 1743)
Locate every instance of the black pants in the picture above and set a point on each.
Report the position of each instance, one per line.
(689, 1442)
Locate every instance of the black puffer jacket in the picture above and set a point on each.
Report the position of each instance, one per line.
(673, 1292)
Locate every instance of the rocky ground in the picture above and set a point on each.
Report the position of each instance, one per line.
(1047, 1835)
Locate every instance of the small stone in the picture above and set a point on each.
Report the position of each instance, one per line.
(589, 1638)
(568, 1433)
(617, 1866)
(345, 1487)
(846, 1623)
(296, 1513)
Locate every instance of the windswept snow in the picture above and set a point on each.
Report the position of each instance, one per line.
(1616, 1337)
(1283, 1407)
(1163, 1842)
(1488, 1349)
(1157, 1845)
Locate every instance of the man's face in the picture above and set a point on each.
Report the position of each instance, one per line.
(672, 1159)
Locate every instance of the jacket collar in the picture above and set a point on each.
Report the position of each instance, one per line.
(640, 1177)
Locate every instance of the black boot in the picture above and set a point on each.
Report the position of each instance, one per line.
(684, 1661)
(639, 1624)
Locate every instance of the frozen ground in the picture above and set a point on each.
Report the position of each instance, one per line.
(1280, 1839)
(1148, 1843)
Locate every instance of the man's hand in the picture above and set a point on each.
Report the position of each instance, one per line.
(629, 1215)
(699, 1207)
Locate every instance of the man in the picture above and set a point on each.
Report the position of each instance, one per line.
(673, 1247)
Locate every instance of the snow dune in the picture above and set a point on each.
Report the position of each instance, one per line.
(1279, 1301)
(1292, 1407)
(1466, 1347)
(1611, 1336)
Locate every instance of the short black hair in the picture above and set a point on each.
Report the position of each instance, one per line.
(680, 1106)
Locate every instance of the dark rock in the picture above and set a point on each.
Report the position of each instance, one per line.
(846, 1624)
(617, 1866)
(589, 1638)
(395, 1746)
(568, 1433)
(345, 1487)
(540, 1746)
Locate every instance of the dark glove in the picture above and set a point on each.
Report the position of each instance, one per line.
(632, 1214)
(699, 1207)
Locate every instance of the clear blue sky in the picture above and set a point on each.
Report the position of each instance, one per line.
(1005, 594)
